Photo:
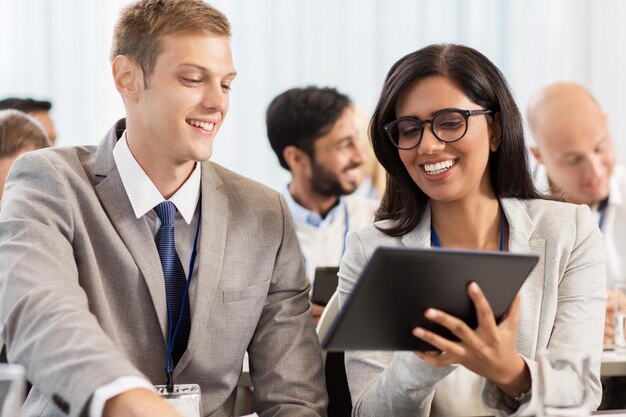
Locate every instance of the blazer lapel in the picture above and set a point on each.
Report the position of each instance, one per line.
(420, 236)
(521, 228)
(134, 232)
(211, 248)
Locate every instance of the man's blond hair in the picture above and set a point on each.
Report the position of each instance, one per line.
(142, 25)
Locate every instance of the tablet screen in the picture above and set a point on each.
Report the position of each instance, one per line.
(399, 284)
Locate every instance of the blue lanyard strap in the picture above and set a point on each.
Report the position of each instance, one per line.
(602, 211)
(171, 333)
(435, 239)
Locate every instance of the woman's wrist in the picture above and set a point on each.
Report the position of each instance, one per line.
(518, 382)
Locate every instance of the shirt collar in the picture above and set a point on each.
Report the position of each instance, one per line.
(142, 192)
(312, 218)
(615, 186)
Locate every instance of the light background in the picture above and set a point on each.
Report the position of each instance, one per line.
(58, 50)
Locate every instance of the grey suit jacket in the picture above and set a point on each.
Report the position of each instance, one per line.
(562, 309)
(82, 297)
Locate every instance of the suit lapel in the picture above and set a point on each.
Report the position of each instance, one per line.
(134, 232)
(521, 228)
(211, 248)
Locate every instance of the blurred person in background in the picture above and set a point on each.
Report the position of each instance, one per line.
(19, 133)
(574, 147)
(313, 132)
(39, 109)
(373, 185)
(576, 158)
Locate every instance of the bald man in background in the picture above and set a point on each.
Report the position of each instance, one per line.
(573, 144)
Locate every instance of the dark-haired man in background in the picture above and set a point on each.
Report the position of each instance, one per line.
(313, 133)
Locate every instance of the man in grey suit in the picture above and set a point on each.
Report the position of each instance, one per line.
(93, 307)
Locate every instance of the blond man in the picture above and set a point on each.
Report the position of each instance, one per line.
(101, 300)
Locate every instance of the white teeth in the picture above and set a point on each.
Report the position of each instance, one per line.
(439, 167)
(206, 126)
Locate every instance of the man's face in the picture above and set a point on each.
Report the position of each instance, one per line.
(46, 122)
(578, 155)
(180, 111)
(336, 167)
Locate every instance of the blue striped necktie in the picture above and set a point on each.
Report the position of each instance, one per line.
(175, 281)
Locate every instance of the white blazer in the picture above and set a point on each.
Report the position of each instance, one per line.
(563, 305)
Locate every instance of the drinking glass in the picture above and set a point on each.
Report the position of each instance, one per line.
(12, 389)
(620, 319)
(562, 385)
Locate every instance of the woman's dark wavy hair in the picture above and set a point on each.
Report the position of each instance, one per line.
(483, 83)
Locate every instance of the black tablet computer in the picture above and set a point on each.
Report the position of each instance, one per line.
(399, 284)
(324, 284)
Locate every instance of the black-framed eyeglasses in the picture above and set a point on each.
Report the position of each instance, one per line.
(447, 125)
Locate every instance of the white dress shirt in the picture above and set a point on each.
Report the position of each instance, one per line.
(322, 239)
(144, 196)
(614, 229)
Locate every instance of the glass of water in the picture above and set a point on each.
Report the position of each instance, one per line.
(12, 389)
(620, 318)
(562, 385)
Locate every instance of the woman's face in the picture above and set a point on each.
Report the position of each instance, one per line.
(463, 165)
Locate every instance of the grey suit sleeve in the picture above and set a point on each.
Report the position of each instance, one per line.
(286, 364)
(44, 312)
(579, 322)
(384, 383)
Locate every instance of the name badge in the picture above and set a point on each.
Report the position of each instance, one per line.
(185, 399)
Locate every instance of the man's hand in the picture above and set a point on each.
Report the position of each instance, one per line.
(317, 311)
(138, 403)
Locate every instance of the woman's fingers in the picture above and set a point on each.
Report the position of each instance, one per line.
(457, 326)
(439, 342)
(484, 313)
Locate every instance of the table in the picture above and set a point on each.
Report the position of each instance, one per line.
(613, 364)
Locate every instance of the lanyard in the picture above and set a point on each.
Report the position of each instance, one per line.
(345, 232)
(435, 239)
(602, 211)
(171, 333)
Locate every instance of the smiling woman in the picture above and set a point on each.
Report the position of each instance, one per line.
(465, 183)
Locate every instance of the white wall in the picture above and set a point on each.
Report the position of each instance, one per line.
(58, 49)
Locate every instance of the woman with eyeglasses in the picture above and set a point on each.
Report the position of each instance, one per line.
(449, 134)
